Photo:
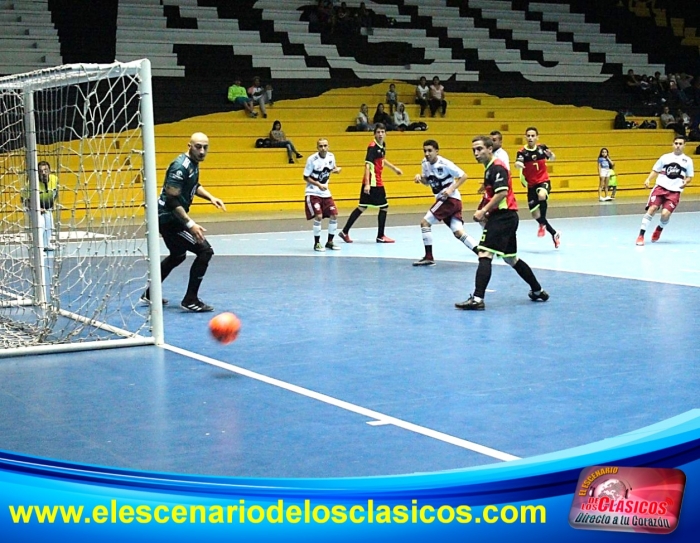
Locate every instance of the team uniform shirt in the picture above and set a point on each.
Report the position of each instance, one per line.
(497, 179)
(182, 173)
(502, 155)
(673, 170)
(441, 175)
(375, 158)
(319, 169)
(534, 163)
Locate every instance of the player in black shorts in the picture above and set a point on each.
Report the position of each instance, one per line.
(499, 236)
(372, 193)
(180, 233)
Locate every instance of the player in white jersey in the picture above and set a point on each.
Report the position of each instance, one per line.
(318, 200)
(672, 173)
(499, 152)
(444, 177)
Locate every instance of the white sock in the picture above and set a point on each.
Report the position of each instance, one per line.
(317, 228)
(645, 221)
(332, 227)
(663, 224)
(427, 235)
(469, 241)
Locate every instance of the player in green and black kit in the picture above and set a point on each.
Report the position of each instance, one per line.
(179, 231)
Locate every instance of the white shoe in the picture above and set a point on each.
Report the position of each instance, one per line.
(601, 199)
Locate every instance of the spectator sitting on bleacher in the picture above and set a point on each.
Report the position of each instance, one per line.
(344, 20)
(668, 121)
(693, 93)
(364, 18)
(392, 98)
(279, 139)
(239, 97)
(676, 97)
(422, 95)
(683, 119)
(684, 81)
(362, 120)
(401, 118)
(437, 98)
(381, 116)
(322, 13)
(260, 95)
(660, 83)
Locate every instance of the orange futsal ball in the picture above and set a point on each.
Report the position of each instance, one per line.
(225, 327)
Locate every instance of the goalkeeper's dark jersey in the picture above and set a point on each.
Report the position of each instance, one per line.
(182, 173)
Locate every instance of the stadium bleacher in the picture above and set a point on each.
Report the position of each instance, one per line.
(505, 65)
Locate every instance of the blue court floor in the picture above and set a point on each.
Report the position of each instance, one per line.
(355, 363)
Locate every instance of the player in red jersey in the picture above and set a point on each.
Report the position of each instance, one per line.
(532, 163)
(373, 193)
(499, 238)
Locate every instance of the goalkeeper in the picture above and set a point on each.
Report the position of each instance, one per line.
(180, 233)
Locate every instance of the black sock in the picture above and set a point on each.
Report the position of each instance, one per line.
(543, 217)
(317, 239)
(527, 274)
(352, 218)
(483, 276)
(381, 222)
(197, 271)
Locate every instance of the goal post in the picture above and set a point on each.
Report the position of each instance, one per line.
(80, 244)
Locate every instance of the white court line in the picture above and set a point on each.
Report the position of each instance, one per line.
(380, 418)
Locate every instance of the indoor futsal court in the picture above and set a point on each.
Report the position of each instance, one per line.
(354, 363)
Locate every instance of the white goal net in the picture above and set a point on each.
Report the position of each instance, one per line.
(77, 193)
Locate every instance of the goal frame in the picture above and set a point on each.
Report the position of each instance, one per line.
(31, 82)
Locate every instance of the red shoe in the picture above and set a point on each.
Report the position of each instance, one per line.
(557, 240)
(640, 240)
(541, 231)
(385, 239)
(656, 235)
(345, 237)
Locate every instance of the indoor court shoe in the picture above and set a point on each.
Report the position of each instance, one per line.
(196, 306)
(425, 261)
(557, 240)
(541, 296)
(318, 247)
(144, 300)
(49, 248)
(345, 237)
(471, 305)
(640, 240)
(332, 246)
(656, 234)
(385, 239)
(540, 231)
(299, 155)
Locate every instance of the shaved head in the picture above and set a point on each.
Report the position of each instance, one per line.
(198, 146)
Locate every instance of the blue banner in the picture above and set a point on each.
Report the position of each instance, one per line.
(523, 500)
